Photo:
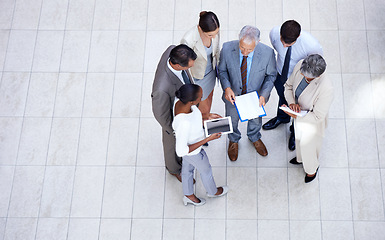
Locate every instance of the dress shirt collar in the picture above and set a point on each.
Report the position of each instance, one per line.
(177, 73)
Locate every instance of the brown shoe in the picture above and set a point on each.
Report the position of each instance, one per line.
(179, 177)
(260, 147)
(233, 151)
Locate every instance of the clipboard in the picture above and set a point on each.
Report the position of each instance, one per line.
(247, 106)
(222, 125)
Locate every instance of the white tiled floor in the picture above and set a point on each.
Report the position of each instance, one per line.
(81, 155)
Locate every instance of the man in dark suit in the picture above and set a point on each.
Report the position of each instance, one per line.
(246, 66)
(171, 73)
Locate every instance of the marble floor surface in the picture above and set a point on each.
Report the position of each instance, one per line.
(81, 154)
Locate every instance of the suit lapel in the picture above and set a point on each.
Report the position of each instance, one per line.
(254, 63)
(200, 47)
(236, 63)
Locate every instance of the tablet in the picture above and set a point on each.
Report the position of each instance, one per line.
(219, 125)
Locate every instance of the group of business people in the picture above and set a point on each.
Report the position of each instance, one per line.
(183, 90)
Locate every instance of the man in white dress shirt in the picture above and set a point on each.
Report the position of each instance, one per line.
(292, 45)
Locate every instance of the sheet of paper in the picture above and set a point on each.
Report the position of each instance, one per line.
(248, 106)
(301, 114)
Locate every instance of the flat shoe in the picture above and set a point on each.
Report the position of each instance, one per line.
(225, 190)
(309, 179)
(294, 161)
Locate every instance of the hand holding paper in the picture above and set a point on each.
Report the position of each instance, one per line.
(291, 112)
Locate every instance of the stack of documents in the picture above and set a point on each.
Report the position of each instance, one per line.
(248, 106)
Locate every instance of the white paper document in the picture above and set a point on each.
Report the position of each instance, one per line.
(300, 114)
(248, 106)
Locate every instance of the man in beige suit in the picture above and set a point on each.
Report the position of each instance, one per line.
(309, 89)
(171, 73)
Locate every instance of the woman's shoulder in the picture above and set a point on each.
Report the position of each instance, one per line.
(191, 35)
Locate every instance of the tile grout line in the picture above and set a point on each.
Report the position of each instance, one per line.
(139, 123)
(21, 128)
(81, 116)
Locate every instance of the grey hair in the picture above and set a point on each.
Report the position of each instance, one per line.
(313, 66)
(249, 34)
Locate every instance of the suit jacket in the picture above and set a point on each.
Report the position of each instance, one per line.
(163, 92)
(262, 72)
(316, 98)
(194, 41)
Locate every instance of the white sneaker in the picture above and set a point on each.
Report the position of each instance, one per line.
(187, 200)
(225, 190)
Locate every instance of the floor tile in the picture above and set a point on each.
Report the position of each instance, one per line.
(167, 10)
(26, 191)
(7, 8)
(80, 14)
(334, 152)
(75, 54)
(304, 200)
(335, 196)
(150, 229)
(209, 229)
(364, 146)
(298, 10)
(104, 45)
(53, 15)
(52, 228)
(48, 50)
(184, 19)
(80, 229)
(127, 94)
(364, 183)
(57, 192)
(98, 95)
(374, 19)
(6, 180)
(276, 143)
(236, 9)
(146, 100)
(273, 229)
(2, 227)
(264, 11)
(70, 95)
(41, 95)
(356, 61)
(87, 193)
(107, 15)
(242, 199)
(241, 229)
(323, 15)
(378, 83)
(131, 51)
(182, 229)
(34, 141)
(272, 193)
(351, 15)
(217, 152)
(376, 55)
(380, 127)
(134, 15)
(337, 108)
(144, 206)
(368, 230)
(26, 14)
(21, 46)
(359, 108)
(123, 141)
(4, 36)
(117, 229)
(118, 192)
(64, 140)
(331, 50)
(9, 139)
(20, 228)
(93, 141)
(303, 229)
(337, 230)
(13, 92)
(156, 43)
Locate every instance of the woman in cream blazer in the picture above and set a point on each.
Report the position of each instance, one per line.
(309, 89)
(204, 40)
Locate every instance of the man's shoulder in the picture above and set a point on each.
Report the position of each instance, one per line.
(230, 45)
(308, 40)
(264, 48)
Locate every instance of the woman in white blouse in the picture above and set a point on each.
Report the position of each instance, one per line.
(190, 137)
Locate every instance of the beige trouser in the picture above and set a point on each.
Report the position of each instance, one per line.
(308, 142)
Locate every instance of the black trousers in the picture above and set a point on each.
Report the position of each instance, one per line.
(281, 115)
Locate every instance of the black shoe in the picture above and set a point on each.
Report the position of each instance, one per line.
(294, 161)
(309, 179)
(291, 142)
(272, 123)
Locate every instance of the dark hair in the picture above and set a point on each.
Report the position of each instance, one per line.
(188, 93)
(208, 21)
(182, 54)
(290, 31)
